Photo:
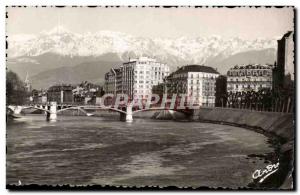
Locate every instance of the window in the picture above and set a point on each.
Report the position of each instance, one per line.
(236, 86)
(265, 72)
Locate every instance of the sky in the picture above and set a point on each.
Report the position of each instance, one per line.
(247, 23)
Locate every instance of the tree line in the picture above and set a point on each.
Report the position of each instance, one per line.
(16, 93)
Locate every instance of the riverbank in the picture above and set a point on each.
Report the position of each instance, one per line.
(280, 125)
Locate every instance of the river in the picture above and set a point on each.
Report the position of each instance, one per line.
(81, 150)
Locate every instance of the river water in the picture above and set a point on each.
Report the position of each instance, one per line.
(82, 150)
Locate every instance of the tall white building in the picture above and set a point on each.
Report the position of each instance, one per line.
(198, 82)
(250, 77)
(136, 77)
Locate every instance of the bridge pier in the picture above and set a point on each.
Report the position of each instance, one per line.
(127, 117)
(52, 114)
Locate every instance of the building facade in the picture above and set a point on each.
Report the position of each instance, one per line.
(283, 72)
(197, 82)
(249, 78)
(39, 97)
(60, 94)
(110, 85)
(136, 77)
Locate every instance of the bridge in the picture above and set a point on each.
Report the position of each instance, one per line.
(126, 111)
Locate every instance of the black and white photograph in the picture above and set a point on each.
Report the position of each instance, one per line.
(187, 97)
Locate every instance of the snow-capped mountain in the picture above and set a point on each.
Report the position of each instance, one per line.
(50, 56)
(193, 50)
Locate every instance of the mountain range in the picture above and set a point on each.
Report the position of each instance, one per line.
(72, 57)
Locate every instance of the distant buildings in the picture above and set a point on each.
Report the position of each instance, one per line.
(196, 81)
(39, 97)
(283, 73)
(110, 85)
(249, 77)
(60, 94)
(136, 77)
(83, 93)
(87, 93)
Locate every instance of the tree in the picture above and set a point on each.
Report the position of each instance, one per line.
(15, 89)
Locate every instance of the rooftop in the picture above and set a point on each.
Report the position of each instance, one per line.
(196, 68)
(252, 66)
(116, 69)
(60, 87)
(142, 58)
